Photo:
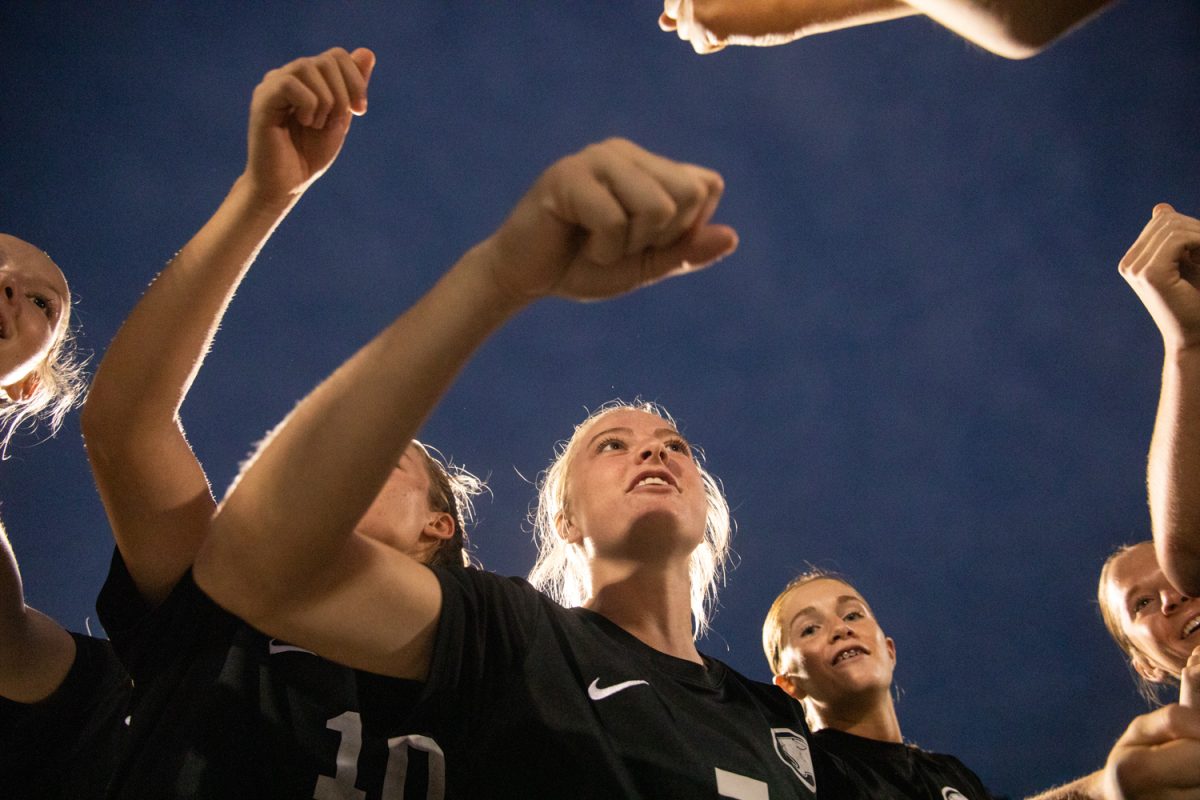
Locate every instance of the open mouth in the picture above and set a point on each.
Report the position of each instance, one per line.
(849, 653)
(654, 478)
(1191, 627)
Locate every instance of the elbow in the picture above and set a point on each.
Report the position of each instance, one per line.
(1181, 565)
(226, 574)
(1019, 42)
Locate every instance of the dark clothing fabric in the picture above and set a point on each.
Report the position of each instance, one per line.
(221, 710)
(893, 770)
(65, 746)
(528, 699)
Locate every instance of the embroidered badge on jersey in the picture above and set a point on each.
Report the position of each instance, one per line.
(793, 750)
(950, 793)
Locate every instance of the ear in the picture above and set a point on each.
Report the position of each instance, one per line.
(440, 526)
(1149, 671)
(23, 389)
(788, 685)
(891, 646)
(567, 530)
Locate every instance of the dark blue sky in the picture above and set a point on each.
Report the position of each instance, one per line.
(921, 368)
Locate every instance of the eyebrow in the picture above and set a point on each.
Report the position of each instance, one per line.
(659, 432)
(842, 600)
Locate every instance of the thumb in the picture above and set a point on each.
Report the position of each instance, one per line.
(702, 247)
(364, 59)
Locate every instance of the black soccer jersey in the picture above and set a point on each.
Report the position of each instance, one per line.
(889, 770)
(65, 746)
(222, 710)
(528, 699)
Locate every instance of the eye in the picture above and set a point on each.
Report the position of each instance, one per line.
(1139, 605)
(854, 615)
(610, 445)
(678, 445)
(42, 303)
(808, 630)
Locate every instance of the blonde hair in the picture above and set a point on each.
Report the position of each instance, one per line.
(60, 386)
(451, 489)
(561, 570)
(1148, 689)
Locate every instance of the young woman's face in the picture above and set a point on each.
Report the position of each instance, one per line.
(1162, 624)
(833, 646)
(400, 512)
(633, 489)
(34, 301)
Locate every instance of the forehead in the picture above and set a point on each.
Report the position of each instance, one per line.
(632, 418)
(817, 592)
(21, 256)
(1137, 566)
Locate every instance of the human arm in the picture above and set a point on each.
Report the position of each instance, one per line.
(1086, 788)
(1009, 28)
(282, 552)
(1157, 758)
(1163, 268)
(35, 652)
(154, 490)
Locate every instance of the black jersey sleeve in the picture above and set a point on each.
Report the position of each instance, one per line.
(482, 637)
(149, 639)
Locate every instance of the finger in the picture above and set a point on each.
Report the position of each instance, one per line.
(586, 202)
(1170, 246)
(666, 22)
(331, 73)
(650, 210)
(1189, 681)
(309, 73)
(282, 94)
(364, 60)
(1161, 208)
(694, 189)
(1140, 253)
(1163, 725)
(700, 249)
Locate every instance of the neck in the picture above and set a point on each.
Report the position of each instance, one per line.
(651, 603)
(872, 716)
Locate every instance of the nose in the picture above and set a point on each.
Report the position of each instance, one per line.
(1172, 600)
(652, 450)
(841, 631)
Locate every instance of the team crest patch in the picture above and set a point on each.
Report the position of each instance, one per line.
(950, 793)
(792, 749)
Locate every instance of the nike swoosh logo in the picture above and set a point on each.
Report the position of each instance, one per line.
(273, 648)
(597, 693)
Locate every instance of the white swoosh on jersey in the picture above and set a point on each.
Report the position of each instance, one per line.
(597, 693)
(273, 648)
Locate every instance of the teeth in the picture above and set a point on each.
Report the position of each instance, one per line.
(853, 651)
(1191, 627)
(652, 481)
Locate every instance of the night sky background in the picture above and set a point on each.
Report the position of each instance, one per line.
(921, 368)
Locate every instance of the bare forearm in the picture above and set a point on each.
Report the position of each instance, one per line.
(1173, 474)
(1086, 788)
(173, 325)
(154, 490)
(286, 522)
(791, 19)
(1009, 28)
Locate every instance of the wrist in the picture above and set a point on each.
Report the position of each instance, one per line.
(262, 198)
(485, 266)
